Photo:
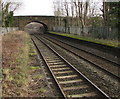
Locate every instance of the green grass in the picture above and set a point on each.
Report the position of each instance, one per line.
(20, 77)
(41, 90)
(34, 67)
(113, 43)
(37, 76)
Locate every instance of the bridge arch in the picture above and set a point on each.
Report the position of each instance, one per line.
(45, 26)
(22, 21)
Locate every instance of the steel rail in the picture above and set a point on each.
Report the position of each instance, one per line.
(64, 96)
(115, 76)
(102, 92)
(114, 62)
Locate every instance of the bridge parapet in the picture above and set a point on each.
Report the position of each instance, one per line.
(22, 21)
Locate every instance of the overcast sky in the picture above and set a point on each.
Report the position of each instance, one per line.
(35, 7)
(39, 7)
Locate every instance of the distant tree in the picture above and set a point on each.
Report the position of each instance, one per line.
(67, 15)
(65, 24)
(8, 9)
(9, 19)
(105, 12)
(58, 12)
(82, 13)
(114, 11)
(95, 21)
(72, 13)
(76, 12)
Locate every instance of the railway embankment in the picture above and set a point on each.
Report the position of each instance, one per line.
(108, 46)
(104, 42)
(22, 74)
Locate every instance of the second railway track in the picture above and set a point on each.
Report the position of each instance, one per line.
(109, 67)
(71, 82)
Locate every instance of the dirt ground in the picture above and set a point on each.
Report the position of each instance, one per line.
(22, 73)
(0, 65)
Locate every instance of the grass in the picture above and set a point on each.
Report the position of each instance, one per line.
(34, 67)
(42, 90)
(113, 43)
(31, 50)
(16, 66)
(37, 76)
(20, 67)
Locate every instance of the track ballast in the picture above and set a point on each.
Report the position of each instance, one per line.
(70, 81)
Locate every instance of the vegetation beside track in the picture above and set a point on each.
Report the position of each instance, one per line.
(21, 71)
(113, 43)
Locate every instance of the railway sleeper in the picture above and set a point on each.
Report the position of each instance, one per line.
(67, 78)
(63, 74)
(55, 63)
(84, 95)
(61, 69)
(78, 91)
(57, 66)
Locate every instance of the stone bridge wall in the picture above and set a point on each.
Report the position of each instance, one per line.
(22, 21)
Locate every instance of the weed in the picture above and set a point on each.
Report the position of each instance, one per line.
(41, 90)
(107, 42)
(34, 67)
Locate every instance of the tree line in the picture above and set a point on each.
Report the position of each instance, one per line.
(84, 13)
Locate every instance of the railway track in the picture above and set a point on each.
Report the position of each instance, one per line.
(114, 60)
(70, 81)
(105, 65)
(103, 51)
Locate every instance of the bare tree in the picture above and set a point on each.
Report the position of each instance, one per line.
(105, 12)
(8, 9)
(76, 12)
(83, 11)
(67, 15)
(92, 9)
(55, 13)
(58, 12)
(72, 12)
(86, 11)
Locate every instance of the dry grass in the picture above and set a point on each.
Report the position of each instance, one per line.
(22, 75)
(15, 64)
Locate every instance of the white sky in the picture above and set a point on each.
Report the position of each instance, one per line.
(38, 7)
(35, 7)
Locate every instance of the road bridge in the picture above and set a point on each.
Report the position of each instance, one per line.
(22, 21)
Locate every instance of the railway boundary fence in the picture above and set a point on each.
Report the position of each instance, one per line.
(3, 30)
(96, 32)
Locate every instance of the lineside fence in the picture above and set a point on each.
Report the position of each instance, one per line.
(9, 29)
(96, 32)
